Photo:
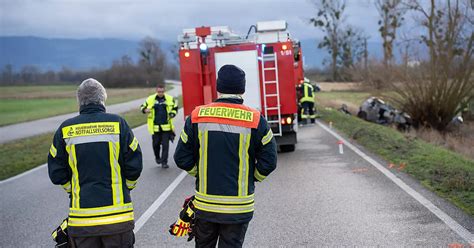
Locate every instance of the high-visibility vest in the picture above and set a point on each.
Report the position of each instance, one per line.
(171, 107)
(308, 93)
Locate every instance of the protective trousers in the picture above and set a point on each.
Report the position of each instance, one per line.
(161, 141)
(121, 240)
(229, 235)
(308, 112)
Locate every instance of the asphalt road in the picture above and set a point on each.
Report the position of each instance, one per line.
(316, 197)
(36, 127)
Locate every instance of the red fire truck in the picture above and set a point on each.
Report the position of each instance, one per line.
(272, 62)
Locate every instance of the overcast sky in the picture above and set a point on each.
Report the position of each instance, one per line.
(164, 19)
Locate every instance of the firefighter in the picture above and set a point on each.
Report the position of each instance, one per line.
(161, 109)
(307, 102)
(227, 146)
(97, 160)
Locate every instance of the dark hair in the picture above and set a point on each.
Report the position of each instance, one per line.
(160, 86)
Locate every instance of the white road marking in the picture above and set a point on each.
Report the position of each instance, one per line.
(152, 209)
(450, 222)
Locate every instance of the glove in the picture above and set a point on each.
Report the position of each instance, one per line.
(60, 235)
(172, 115)
(185, 222)
(180, 228)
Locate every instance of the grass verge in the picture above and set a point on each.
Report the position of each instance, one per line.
(27, 103)
(448, 174)
(21, 155)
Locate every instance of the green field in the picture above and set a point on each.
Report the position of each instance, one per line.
(21, 155)
(26, 103)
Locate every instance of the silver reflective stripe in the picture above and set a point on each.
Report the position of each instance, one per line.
(116, 181)
(225, 199)
(101, 220)
(202, 165)
(75, 181)
(245, 164)
(267, 138)
(92, 139)
(223, 128)
(105, 210)
(224, 209)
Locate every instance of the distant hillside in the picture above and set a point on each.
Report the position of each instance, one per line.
(80, 54)
(53, 54)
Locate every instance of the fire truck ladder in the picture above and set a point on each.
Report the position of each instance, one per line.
(266, 96)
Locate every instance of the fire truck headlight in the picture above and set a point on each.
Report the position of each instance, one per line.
(284, 47)
(288, 120)
(186, 54)
(203, 47)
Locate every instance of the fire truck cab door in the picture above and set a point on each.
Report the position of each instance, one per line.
(247, 61)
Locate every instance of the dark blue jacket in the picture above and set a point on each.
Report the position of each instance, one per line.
(226, 159)
(97, 159)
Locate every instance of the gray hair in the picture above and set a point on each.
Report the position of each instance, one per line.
(91, 91)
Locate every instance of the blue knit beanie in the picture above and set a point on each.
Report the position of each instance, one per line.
(230, 80)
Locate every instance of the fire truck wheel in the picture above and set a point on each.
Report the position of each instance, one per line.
(287, 148)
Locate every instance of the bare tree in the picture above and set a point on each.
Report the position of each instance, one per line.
(437, 90)
(330, 20)
(391, 17)
(152, 60)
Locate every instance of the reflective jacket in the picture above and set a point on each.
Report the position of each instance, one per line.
(307, 92)
(171, 108)
(227, 146)
(97, 160)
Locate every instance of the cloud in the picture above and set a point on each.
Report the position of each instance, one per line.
(134, 19)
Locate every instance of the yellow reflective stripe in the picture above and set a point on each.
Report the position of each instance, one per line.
(267, 138)
(54, 234)
(184, 136)
(131, 184)
(258, 176)
(134, 144)
(87, 129)
(67, 186)
(101, 210)
(227, 113)
(113, 219)
(193, 171)
(53, 151)
(247, 158)
(241, 161)
(225, 209)
(203, 161)
(220, 199)
(117, 192)
(244, 143)
(164, 127)
(64, 225)
(76, 188)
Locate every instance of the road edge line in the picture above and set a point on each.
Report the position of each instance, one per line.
(450, 222)
(157, 203)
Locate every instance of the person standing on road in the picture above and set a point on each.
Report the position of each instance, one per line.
(307, 102)
(227, 146)
(161, 109)
(96, 158)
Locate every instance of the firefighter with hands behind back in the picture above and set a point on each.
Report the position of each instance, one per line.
(161, 109)
(97, 160)
(228, 147)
